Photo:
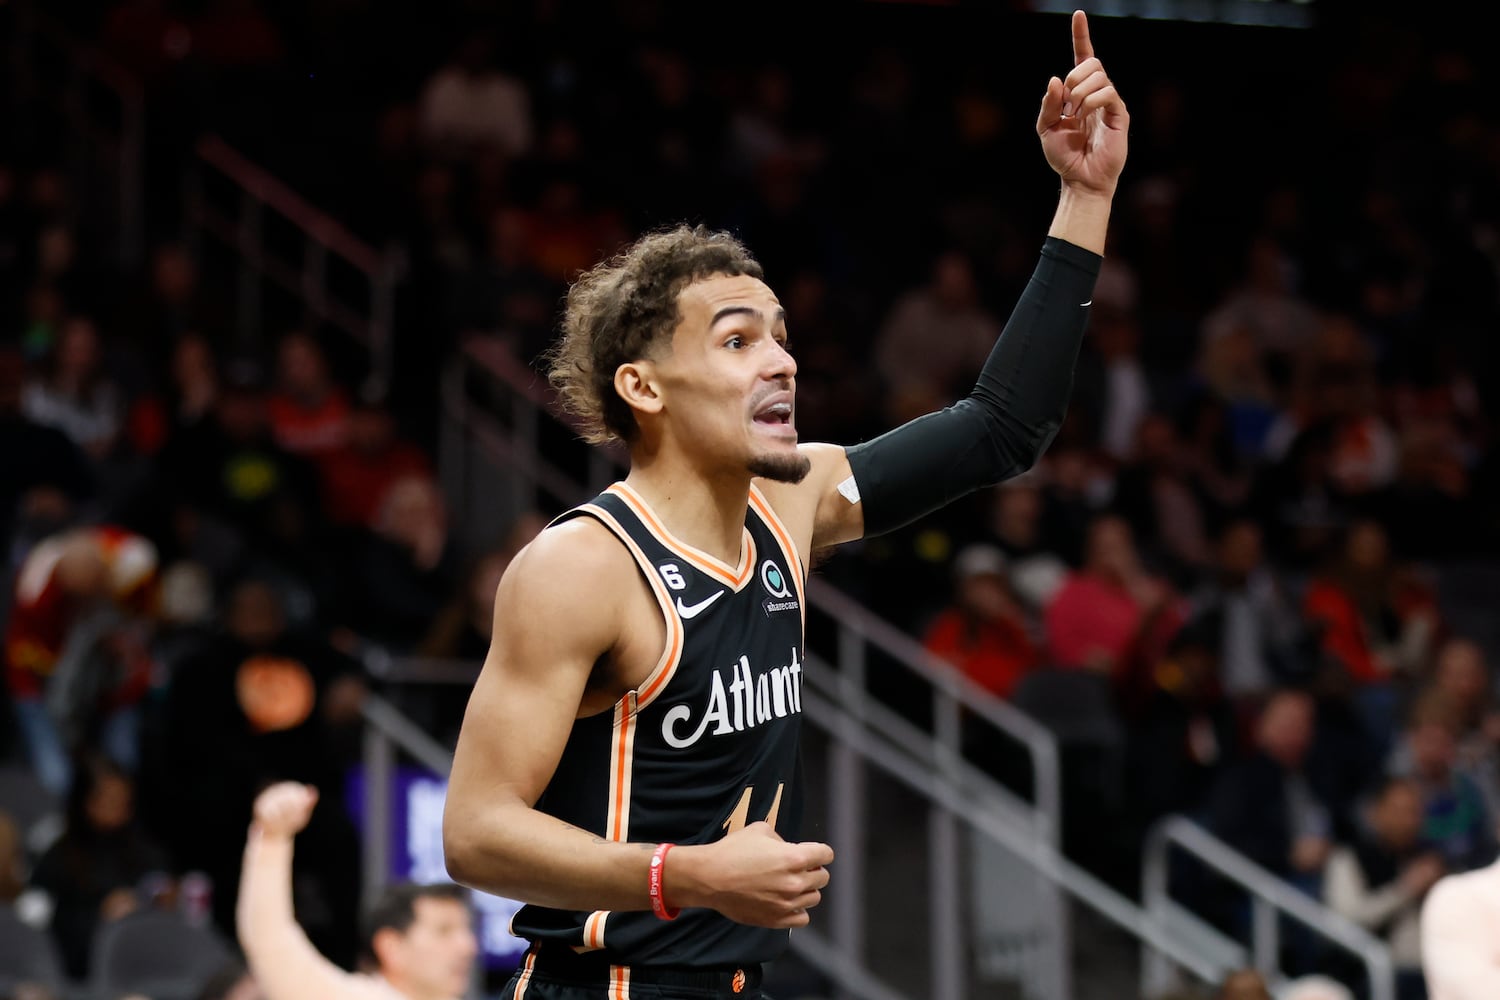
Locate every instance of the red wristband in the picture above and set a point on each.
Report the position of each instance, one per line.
(658, 901)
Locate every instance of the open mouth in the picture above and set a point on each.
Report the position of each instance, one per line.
(775, 415)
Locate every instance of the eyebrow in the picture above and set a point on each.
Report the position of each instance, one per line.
(750, 311)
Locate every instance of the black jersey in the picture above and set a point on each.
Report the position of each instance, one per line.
(706, 745)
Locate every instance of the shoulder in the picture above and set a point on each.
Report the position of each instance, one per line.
(568, 562)
(578, 545)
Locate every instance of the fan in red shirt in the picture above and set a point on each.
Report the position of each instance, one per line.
(80, 596)
(984, 632)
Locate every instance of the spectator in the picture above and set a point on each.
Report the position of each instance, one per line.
(1113, 614)
(1158, 496)
(1381, 879)
(1246, 613)
(373, 457)
(1017, 526)
(1455, 820)
(933, 338)
(75, 394)
(1379, 624)
(1265, 806)
(1463, 679)
(44, 478)
(230, 467)
(308, 411)
(98, 869)
(407, 566)
(1181, 733)
(984, 632)
(258, 704)
(469, 103)
(419, 940)
(76, 653)
(1111, 380)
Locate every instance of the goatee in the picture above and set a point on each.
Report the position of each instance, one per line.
(791, 468)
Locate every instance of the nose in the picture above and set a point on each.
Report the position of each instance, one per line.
(781, 362)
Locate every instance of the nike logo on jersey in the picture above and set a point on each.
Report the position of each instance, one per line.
(694, 610)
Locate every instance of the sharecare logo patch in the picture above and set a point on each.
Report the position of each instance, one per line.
(746, 700)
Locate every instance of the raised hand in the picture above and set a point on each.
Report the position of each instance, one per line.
(1083, 123)
(283, 809)
(753, 877)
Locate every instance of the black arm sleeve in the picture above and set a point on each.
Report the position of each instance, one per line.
(1001, 428)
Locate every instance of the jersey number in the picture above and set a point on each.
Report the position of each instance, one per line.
(736, 820)
(673, 576)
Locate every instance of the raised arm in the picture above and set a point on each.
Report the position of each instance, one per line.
(1017, 406)
(548, 636)
(283, 960)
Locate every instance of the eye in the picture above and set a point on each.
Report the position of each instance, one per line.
(735, 343)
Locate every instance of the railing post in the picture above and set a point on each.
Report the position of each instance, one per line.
(1156, 971)
(847, 807)
(379, 770)
(1265, 943)
(948, 954)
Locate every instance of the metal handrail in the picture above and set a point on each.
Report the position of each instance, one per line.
(323, 237)
(1270, 894)
(953, 695)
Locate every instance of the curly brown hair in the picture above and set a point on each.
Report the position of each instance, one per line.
(620, 311)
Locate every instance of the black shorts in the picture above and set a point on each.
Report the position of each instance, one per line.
(559, 974)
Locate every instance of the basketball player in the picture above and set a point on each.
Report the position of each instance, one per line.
(627, 766)
(419, 937)
(1461, 935)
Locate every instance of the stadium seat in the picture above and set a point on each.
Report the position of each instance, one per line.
(155, 953)
(35, 812)
(27, 955)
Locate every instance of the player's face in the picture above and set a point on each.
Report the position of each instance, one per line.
(729, 384)
(439, 947)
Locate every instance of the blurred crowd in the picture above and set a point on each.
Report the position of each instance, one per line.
(1263, 538)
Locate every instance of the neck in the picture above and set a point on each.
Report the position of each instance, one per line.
(705, 511)
(408, 989)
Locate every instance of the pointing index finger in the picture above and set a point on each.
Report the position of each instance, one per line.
(1082, 47)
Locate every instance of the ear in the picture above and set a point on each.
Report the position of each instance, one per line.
(637, 384)
(386, 946)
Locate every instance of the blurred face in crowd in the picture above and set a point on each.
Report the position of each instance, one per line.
(109, 804)
(77, 351)
(1018, 513)
(1432, 750)
(300, 367)
(173, 274)
(1246, 984)
(1111, 549)
(371, 429)
(1285, 731)
(435, 955)
(953, 281)
(984, 595)
(1461, 673)
(192, 363)
(255, 614)
(1240, 551)
(1397, 816)
(1368, 548)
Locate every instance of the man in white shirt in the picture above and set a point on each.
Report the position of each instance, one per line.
(421, 938)
(1461, 936)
